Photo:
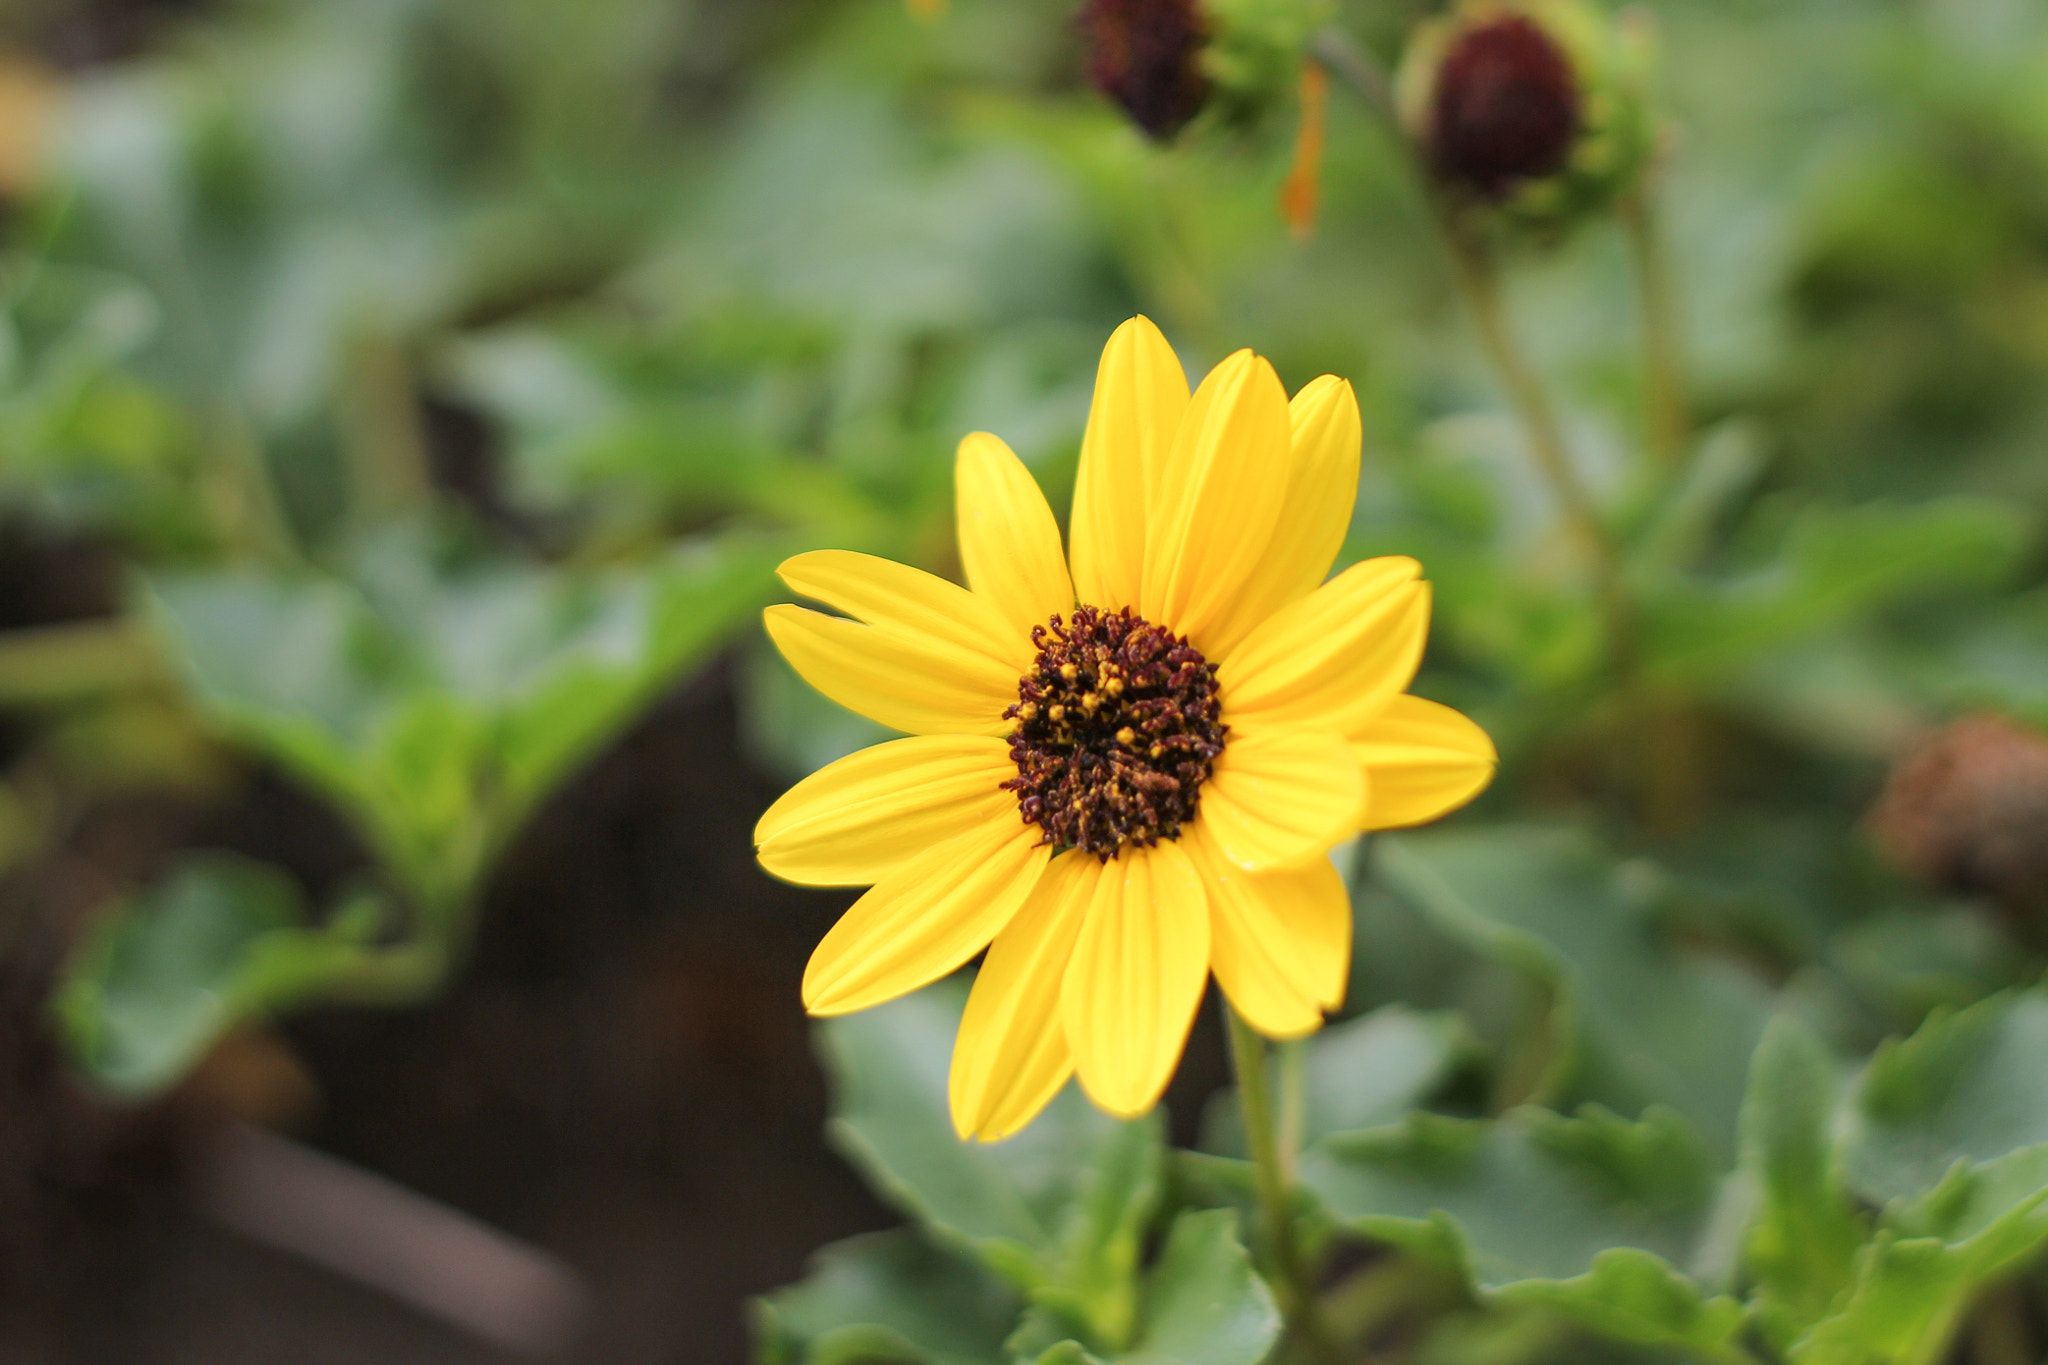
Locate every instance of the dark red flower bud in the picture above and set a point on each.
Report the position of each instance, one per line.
(1147, 56)
(1505, 107)
(1967, 810)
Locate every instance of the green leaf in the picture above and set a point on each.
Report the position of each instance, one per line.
(1594, 1217)
(1635, 1296)
(277, 656)
(1204, 1304)
(163, 976)
(1968, 1087)
(652, 632)
(1834, 564)
(1059, 1210)
(1803, 1240)
(1361, 1073)
(1066, 1353)
(1911, 1291)
(437, 708)
(886, 1296)
(1948, 1131)
(1678, 531)
(1647, 1024)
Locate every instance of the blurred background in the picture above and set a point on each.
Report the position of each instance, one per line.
(403, 404)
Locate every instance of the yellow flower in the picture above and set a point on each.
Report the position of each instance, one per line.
(1122, 780)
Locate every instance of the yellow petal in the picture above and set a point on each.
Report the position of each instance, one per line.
(917, 607)
(1218, 501)
(925, 918)
(1280, 942)
(1011, 1055)
(1279, 797)
(1009, 542)
(919, 687)
(1322, 486)
(1422, 760)
(1335, 658)
(1140, 393)
(1136, 977)
(851, 823)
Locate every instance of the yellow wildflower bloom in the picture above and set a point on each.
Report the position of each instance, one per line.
(1122, 779)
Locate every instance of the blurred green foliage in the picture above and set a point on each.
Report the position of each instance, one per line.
(449, 374)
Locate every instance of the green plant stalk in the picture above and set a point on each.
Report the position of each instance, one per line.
(409, 974)
(1273, 1181)
(413, 971)
(240, 489)
(382, 433)
(52, 664)
(1396, 1286)
(1673, 783)
(1667, 401)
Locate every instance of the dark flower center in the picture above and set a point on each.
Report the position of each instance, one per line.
(1506, 108)
(1118, 725)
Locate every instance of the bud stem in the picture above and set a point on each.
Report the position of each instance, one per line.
(1470, 262)
(1481, 286)
(1353, 65)
(1668, 405)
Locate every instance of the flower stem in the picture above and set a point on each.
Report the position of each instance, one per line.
(1273, 1181)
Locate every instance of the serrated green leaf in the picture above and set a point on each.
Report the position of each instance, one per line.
(1204, 1304)
(1635, 1296)
(1059, 1210)
(218, 941)
(658, 628)
(1968, 1086)
(886, 1296)
(1652, 1025)
(1066, 1353)
(437, 710)
(1044, 1331)
(1948, 1132)
(1803, 1241)
(1593, 1216)
(1911, 1293)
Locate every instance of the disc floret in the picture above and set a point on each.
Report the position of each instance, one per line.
(1118, 725)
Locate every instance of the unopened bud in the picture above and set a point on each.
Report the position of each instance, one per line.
(1147, 56)
(1535, 109)
(1505, 108)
